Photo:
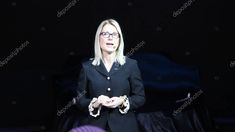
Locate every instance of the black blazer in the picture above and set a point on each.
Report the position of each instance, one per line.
(121, 80)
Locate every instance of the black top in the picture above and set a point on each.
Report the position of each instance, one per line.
(121, 80)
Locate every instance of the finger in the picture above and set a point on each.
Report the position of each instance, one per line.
(108, 104)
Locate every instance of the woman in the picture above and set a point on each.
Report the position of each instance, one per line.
(111, 82)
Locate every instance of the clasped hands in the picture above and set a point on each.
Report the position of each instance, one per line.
(108, 102)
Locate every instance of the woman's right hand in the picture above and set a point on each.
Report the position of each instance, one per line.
(102, 99)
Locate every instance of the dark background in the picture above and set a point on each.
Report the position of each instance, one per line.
(201, 36)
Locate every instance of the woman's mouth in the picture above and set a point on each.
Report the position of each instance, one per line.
(109, 43)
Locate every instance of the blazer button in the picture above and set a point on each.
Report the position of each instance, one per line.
(108, 78)
(109, 89)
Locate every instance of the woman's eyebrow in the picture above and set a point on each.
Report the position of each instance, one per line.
(109, 32)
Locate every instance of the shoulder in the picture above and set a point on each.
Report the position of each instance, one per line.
(130, 61)
(132, 65)
(87, 62)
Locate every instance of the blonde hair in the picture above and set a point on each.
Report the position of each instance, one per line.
(120, 58)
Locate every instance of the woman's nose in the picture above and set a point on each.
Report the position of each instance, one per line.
(110, 38)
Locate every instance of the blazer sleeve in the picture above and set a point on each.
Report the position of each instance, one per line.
(137, 97)
(82, 99)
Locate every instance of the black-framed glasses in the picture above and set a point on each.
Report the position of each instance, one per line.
(107, 35)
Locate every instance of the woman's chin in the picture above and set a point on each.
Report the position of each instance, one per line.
(109, 51)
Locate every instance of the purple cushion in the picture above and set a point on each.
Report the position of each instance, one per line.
(87, 128)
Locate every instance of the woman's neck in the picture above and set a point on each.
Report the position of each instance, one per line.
(108, 58)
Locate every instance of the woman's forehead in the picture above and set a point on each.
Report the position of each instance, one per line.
(109, 28)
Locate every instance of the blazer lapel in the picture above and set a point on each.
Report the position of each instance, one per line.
(101, 68)
(115, 68)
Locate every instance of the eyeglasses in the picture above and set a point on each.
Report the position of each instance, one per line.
(107, 35)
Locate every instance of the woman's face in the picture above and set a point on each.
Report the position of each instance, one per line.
(109, 39)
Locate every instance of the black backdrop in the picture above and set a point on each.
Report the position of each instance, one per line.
(199, 35)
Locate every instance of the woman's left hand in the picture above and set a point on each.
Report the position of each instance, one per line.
(114, 103)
